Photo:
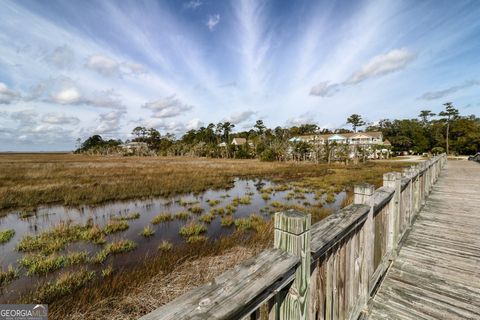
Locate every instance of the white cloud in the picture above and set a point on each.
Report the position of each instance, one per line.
(432, 95)
(240, 117)
(7, 96)
(60, 119)
(306, 118)
(168, 107)
(193, 4)
(103, 65)
(109, 122)
(324, 89)
(194, 124)
(67, 96)
(377, 66)
(382, 64)
(110, 67)
(212, 21)
(61, 57)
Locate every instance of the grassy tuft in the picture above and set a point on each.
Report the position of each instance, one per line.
(148, 231)
(207, 218)
(116, 247)
(6, 235)
(213, 202)
(163, 217)
(65, 284)
(195, 239)
(192, 229)
(182, 215)
(115, 226)
(196, 209)
(165, 246)
(227, 221)
(38, 264)
(8, 276)
(130, 216)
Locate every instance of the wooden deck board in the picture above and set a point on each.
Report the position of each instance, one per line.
(437, 272)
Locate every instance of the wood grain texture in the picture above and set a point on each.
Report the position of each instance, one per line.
(436, 275)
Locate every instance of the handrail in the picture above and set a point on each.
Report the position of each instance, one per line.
(324, 271)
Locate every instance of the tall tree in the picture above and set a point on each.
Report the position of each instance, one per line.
(356, 121)
(449, 115)
(227, 128)
(425, 115)
(260, 127)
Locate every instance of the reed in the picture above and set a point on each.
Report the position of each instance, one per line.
(6, 235)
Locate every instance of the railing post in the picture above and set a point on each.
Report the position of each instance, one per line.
(393, 180)
(292, 234)
(363, 194)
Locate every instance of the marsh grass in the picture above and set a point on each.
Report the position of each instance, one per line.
(163, 217)
(218, 211)
(38, 264)
(114, 226)
(182, 215)
(116, 247)
(192, 229)
(66, 283)
(165, 246)
(6, 235)
(148, 231)
(29, 180)
(130, 216)
(196, 209)
(213, 202)
(227, 221)
(207, 218)
(8, 276)
(253, 222)
(107, 271)
(266, 196)
(195, 239)
(241, 201)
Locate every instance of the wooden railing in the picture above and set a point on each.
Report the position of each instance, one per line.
(324, 271)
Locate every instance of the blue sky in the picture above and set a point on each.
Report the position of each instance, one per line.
(69, 69)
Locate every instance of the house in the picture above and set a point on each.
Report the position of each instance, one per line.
(239, 141)
(351, 138)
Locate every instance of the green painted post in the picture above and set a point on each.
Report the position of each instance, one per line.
(292, 234)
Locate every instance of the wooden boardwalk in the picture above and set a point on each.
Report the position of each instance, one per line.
(437, 272)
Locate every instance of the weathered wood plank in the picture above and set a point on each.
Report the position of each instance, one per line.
(232, 294)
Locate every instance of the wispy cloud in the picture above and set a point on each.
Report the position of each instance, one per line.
(212, 21)
(240, 117)
(193, 4)
(433, 95)
(377, 66)
(382, 64)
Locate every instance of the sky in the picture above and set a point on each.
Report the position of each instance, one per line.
(71, 69)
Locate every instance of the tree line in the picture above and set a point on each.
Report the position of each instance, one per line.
(447, 131)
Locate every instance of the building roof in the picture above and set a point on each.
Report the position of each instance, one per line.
(372, 134)
(239, 141)
(386, 143)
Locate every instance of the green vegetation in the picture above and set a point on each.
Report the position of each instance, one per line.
(196, 209)
(194, 239)
(207, 218)
(186, 203)
(148, 231)
(253, 222)
(107, 271)
(213, 203)
(38, 264)
(115, 226)
(266, 196)
(130, 216)
(165, 246)
(163, 217)
(241, 201)
(65, 284)
(116, 247)
(192, 229)
(227, 221)
(6, 235)
(182, 215)
(218, 211)
(8, 276)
